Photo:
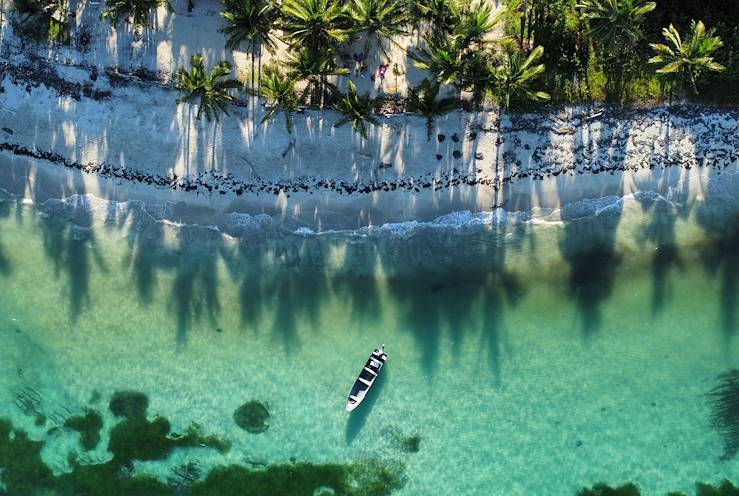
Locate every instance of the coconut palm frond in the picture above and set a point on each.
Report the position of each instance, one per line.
(423, 100)
(687, 57)
(615, 24)
(442, 58)
(356, 109)
(475, 23)
(249, 22)
(209, 91)
(515, 74)
(136, 12)
(316, 24)
(377, 19)
(279, 90)
(314, 68)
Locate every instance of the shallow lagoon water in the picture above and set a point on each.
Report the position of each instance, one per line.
(529, 356)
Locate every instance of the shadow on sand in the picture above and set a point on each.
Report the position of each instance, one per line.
(358, 418)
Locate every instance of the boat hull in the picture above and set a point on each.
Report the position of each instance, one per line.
(366, 378)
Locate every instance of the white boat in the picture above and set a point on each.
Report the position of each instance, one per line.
(367, 377)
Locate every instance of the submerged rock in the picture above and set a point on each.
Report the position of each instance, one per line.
(88, 425)
(129, 404)
(411, 444)
(602, 489)
(252, 417)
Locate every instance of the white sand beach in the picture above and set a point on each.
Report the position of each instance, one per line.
(135, 142)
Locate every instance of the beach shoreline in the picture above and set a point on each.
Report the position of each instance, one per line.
(131, 140)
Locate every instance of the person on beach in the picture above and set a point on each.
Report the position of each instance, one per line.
(359, 64)
(381, 73)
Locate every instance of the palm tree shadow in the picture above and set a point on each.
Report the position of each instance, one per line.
(359, 417)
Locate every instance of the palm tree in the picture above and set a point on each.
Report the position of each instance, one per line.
(441, 15)
(377, 19)
(279, 89)
(250, 22)
(476, 75)
(315, 24)
(356, 109)
(615, 24)
(422, 100)
(514, 75)
(314, 68)
(690, 58)
(475, 22)
(209, 90)
(134, 11)
(442, 58)
(44, 19)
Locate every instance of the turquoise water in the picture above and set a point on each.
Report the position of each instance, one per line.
(526, 357)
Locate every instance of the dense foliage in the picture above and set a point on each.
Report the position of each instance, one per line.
(599, 49)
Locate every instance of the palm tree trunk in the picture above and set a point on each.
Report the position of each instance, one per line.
(523, 23)
(213, 157)
(253, 53)
(259, 73)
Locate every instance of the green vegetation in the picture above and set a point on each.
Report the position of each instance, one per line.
(514, 77)
(602, 489)
(43, 20)
(252, 417)
(555, 50)
(302, 479)
(135, 12)
(377, 20)
(137, 438)
(356, 109)
(423, 100)
(688, 59)
(315, 24)
(88, 425)
(726, 488)
(313, 69)
(211, 91)
(24, 473)
(279, 90)
(250, 22)
(129, 404)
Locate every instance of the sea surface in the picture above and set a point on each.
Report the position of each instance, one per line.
(528, 354)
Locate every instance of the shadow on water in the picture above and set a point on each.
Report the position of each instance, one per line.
(69, 242)
(661, 232)
(721, 260)
(283, 282)
(588, 246)
(195, 286)
(464, 292)
(148, 253)
(4, 262)
(358, 418)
